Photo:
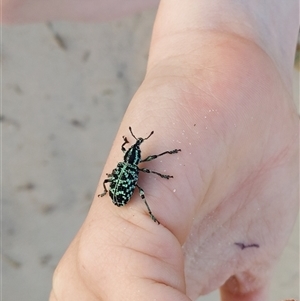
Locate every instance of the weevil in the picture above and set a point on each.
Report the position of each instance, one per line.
(123, 179)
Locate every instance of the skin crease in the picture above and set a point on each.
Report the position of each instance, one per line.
(222, 92)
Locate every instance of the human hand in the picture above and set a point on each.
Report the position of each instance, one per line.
(225, 100)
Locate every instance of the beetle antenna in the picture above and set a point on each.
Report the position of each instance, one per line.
(132, 133)
(149, 135)
(130, 129)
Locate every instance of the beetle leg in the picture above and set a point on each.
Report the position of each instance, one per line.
(142, 195)
(150, 158)
(105, 189)
(125, 142)
(157, 173)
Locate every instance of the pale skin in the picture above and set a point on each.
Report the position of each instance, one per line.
(219, 87)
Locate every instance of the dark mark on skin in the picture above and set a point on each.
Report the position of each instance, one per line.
(243, 246)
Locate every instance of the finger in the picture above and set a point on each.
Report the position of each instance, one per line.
(128, 262)
(185, 19)
(67, 281)
(235, 291)
(188, 17)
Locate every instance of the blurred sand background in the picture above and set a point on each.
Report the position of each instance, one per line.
(65, 88)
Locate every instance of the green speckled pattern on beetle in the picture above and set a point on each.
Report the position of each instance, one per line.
(124, 179)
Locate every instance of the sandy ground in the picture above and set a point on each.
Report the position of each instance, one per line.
(65, 89)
